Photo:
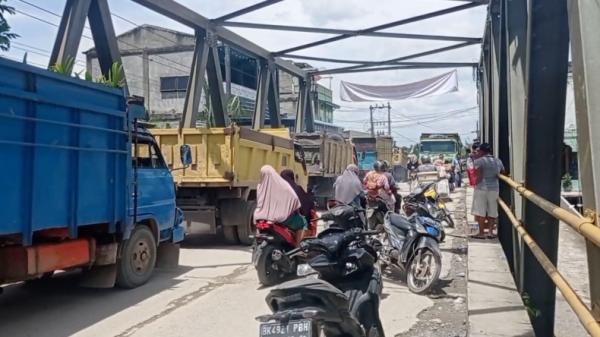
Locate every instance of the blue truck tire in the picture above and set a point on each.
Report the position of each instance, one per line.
(138, 258)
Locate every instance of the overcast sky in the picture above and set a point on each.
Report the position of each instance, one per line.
(37, 37)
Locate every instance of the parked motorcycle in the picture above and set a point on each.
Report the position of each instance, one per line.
(376, 210)
(272, 241)
(339, 294)
(427, 197)
(412, 245)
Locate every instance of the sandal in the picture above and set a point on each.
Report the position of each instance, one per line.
(478, 236)
(492, 236)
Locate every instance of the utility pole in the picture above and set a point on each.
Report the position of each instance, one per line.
(389, 119)
(371, 118)
(389, 107)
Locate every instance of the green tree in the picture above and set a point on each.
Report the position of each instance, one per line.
(5, 34)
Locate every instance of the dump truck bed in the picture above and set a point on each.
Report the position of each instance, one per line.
(326, 155)
(229, 156)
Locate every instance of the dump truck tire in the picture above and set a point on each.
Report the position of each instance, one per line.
(247, 230)
(230, 235)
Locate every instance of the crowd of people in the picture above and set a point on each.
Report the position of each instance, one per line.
(280, 199)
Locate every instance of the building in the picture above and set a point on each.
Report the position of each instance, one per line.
(157, 65)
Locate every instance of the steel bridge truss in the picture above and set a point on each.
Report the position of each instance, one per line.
(205, 64)
(522, 82)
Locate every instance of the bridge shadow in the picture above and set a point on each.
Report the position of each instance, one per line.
(59, 307)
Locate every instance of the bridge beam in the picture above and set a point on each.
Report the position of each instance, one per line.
(585, 46)
(195, 85)
(70, 31)
(548, 51)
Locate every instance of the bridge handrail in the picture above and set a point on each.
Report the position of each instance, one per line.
(583, 225)
(581, 310)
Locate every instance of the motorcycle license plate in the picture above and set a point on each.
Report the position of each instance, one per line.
(300, 328)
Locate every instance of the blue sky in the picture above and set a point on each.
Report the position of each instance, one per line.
(37, 37)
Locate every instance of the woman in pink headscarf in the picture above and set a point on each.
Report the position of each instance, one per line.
(277, 201)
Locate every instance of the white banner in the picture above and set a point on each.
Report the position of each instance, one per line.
(442, 84)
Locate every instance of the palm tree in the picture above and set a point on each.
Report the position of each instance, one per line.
(5, 34)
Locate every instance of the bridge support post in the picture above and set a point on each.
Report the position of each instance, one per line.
(195, 85)
(548, 51)
(500, 139)
(301, 108)
(516, 49)
(584, 19)
(70, 31)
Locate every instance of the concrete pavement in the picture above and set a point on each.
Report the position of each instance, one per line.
(214, 292)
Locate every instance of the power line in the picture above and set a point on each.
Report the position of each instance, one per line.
(46, 53)
(21, 60)
(428, 118)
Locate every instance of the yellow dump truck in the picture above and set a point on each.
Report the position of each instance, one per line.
(217, 192)
(327, 156)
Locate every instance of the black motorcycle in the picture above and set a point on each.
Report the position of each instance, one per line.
(339, 293)
(412, 245)
(376, 210)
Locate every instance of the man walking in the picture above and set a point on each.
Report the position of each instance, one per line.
(485, 196)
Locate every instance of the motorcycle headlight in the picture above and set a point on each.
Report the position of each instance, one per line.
(305, 269)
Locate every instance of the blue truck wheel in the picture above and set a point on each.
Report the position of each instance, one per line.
(138, 258)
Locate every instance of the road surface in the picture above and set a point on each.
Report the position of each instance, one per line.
(214, 292)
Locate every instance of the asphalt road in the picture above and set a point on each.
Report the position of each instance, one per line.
(214, 292)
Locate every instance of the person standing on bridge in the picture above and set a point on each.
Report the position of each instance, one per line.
(485, 196)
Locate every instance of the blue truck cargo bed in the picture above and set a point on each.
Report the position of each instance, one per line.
(65, 149)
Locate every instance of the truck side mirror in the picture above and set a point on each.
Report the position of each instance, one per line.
(186, 154)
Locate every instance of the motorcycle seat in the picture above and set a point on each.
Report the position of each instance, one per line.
(312, 291)
(400, 222)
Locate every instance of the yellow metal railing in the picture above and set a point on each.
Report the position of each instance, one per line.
(585, 226)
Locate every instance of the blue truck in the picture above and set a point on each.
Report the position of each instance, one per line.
(82, 185)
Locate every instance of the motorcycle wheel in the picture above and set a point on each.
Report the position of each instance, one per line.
(267, 275)
(423, 270)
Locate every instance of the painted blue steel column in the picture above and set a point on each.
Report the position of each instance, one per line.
(548, 51)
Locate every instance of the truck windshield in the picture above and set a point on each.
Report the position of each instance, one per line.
(438, 146)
